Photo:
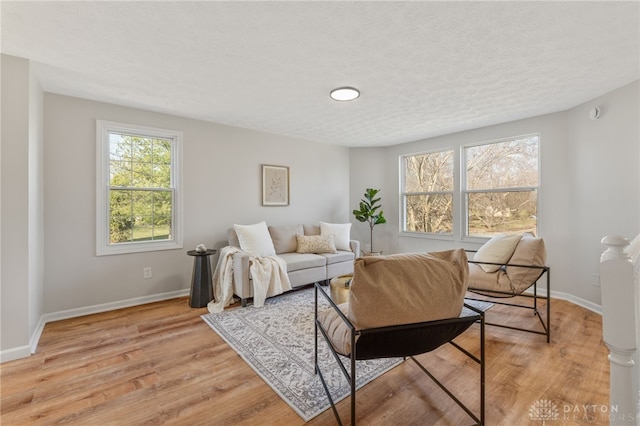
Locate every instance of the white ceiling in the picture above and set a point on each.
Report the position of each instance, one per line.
(424, 68)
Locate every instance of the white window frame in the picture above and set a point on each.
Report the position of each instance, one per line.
(460, 207)
(404, 193)
(103, 247)
(464, 191)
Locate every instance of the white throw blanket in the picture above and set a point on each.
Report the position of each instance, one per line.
(269, 276)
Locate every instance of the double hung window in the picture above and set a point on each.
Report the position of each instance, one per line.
(494, 191)
(428, 192)
(138, 192)
(501, 187)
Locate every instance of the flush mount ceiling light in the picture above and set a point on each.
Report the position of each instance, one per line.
(344, 94)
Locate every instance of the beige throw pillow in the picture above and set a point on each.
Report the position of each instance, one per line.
(497, 250)
(530, 251)
(315, 244)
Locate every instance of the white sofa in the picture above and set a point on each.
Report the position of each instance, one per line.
(302, 268)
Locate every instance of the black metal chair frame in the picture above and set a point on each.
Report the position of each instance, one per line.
(496, 294)
(390, 351)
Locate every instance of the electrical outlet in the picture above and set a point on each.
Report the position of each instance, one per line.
(596, 279)
(147, 272)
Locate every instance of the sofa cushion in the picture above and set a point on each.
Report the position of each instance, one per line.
(284, 237)
(338, 256)
(407, 288)
(530, 251)
(497, 250)
(297, 261)
(311, 229)
(341, 234)
(255, 239)
(315, 244)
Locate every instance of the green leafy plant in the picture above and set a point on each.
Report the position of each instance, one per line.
(368, 211)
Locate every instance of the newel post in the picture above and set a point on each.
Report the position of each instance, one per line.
(619, 327)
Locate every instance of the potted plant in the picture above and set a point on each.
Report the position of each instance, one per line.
(368, 212)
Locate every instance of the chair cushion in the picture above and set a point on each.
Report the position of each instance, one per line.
(494, 281)
(284, 237)
(407, 288)
(315, 244)
(341, 234)
(337, 330)
(255, 239)
(530, 251)
(497, 250)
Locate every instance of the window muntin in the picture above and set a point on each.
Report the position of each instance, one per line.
(501, 187)
(138, 189)
(427, 192)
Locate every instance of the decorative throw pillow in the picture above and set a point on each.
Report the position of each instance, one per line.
(529, 251)
(341, 234)
(255, 239)
(315, 244)
(497, 250)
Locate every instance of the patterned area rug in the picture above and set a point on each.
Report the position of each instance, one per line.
(277, 342)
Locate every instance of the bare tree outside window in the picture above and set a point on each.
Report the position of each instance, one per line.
(499, 189)
(502, 187)
(428, 192)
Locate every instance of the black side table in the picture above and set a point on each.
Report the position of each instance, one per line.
(201, 284)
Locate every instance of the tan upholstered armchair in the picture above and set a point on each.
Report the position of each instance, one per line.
(506, 267)
(400, 306)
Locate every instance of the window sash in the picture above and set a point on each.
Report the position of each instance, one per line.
(520, 219)
(449, 173)
(460, 193)
(465, 192)
(104, 246)
(172, 215)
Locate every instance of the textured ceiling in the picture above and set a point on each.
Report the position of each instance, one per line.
(424, 68)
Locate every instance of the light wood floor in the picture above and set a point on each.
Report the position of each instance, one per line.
(161, 364)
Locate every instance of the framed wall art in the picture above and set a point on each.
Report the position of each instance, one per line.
(275, 185)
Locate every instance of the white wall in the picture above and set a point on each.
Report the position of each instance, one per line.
(589, 185)
(21, 254)
(370, 164)
(604, 180)
(222, 186)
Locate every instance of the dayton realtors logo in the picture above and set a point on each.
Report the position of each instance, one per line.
(543, 410)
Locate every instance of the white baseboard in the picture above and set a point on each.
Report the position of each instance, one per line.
(104, 307)
(15, 353)
(593, 307)
(35, 337)
(25, 351)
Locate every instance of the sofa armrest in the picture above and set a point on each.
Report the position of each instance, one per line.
(241, 280)
(355, 247)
